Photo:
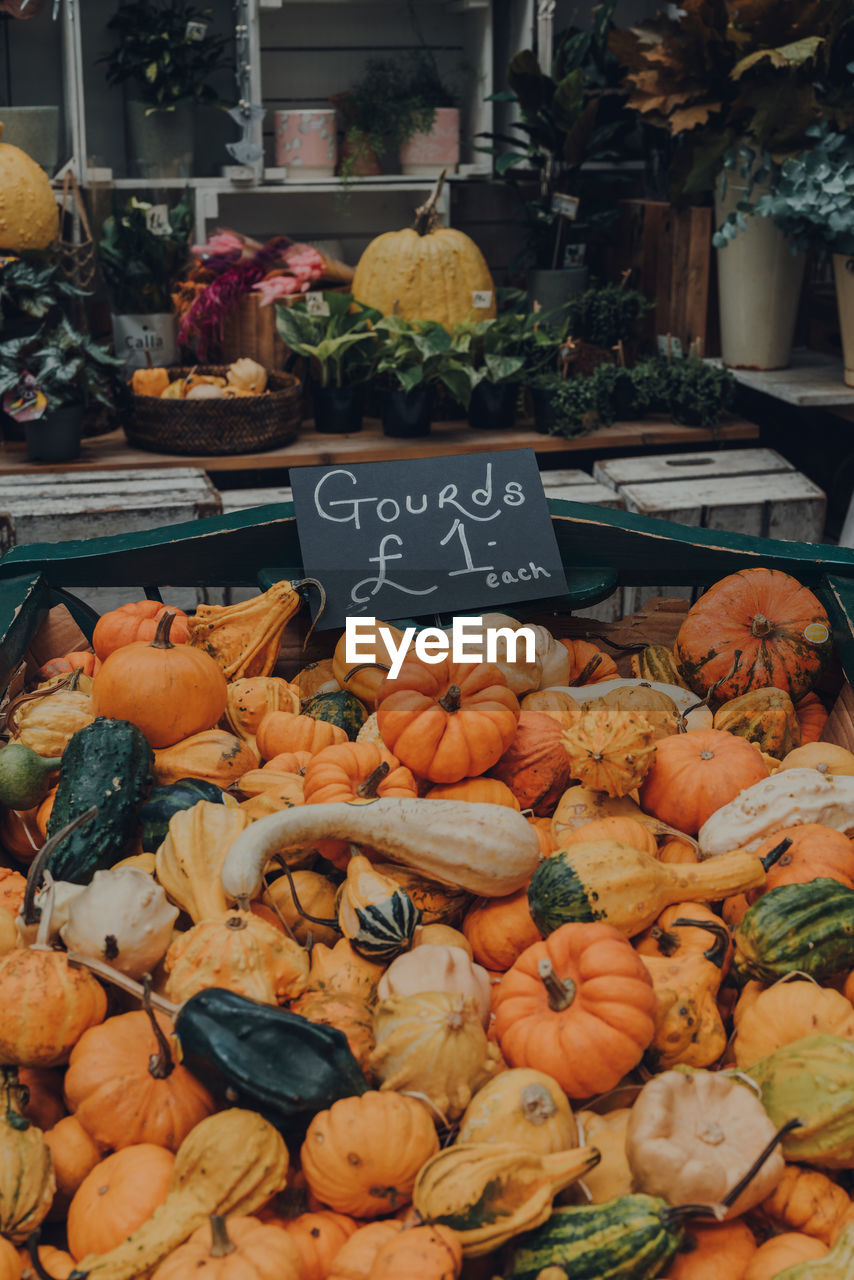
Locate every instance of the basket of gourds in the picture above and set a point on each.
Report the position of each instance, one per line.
(214, 409)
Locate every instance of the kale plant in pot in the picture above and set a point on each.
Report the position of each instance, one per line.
(47, 382)
(413, 360)
(141, 266)
(737, 87)
(566, 120)
(494, 351)
(165, 54)
(339, 347)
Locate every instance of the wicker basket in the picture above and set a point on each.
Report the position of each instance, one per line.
(243, 425)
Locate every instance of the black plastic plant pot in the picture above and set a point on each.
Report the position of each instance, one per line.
(544, 414)
(493, 405)
(338, 410)
(406, 414)
(56, 436)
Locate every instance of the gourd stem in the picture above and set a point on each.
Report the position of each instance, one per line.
(369, 788)
(17, 1097)
(704, 702)
(426, 216)
(160, 1064)
(221, 1244)
(109, 974)
(35, 1261)
(761, 626)
(716, 954)
(366, 666)
(161, 636)
(332, 924)
(561, 991)
(67, 682)
(665, 940)
(42, 942)
(775, 854)
(734, 1192)
(301, 588)
(450, 700)
(584, 675)
(30, 912)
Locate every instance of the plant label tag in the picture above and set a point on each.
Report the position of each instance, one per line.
(415, 537)
(316, 304)
(565, 206)
(574, 255)
(481, 298)
(669, 346)
(157, 220)
(195, 31)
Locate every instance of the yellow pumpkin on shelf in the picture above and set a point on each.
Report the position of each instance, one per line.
(29, 217)
(425, 272)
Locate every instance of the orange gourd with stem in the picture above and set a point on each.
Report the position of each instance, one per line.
(135, 622)
(117, 1196)
(318, 1238)
(281, 731)
(82, 660)
(476, 791)
(695, 774)
(626, 830)
(236, 1248)
(499, 930)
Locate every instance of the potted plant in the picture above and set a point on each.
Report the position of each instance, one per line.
(738, 86)
(601, 323)
(31, 289)
(495, 352)
(339, 346)
(432, 147)
(412, 360)
(141, 266)
(46, 383)
(563, 123)
(812, 203)
(165, 54)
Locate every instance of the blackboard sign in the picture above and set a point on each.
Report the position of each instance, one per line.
(427, 535)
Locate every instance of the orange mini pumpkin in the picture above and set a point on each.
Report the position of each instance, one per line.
(714, 1251)
(47, 1006)
(627, 830)
(281, 731)
(428, 1252)
(117, 1196)
(319, 1237)
(499, 930)
(237, 1248)
(476, 791)
(83, 660)
(74, 1155)
(579, 1006)
(447, 721)
(170, 692)
(136, 621)
(694, 774)
(812, 717)
(590, 664)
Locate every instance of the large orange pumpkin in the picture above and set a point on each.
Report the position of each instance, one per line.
(137, 621)
(117, 1196)
(535, 766)
(779, 628)
(695, 774)
(170, 692)
(447, 721)
(579, 1006)
(125, 1088)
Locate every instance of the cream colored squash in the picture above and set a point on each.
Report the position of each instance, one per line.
(122, 917)
(190, 860)
(787, 799)
(521, 676)
(524, 1106)
(555, 658)
(438, 968)
(433, 1044)
(612, 1177)
(64, 894)
(824, 756)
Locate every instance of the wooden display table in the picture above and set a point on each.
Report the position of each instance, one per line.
(112, 452)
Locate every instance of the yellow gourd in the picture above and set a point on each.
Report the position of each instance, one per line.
(612, 1176)
(245, 638)
(523, 1106)
(190, 860)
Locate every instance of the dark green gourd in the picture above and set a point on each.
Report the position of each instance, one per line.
(805, 928)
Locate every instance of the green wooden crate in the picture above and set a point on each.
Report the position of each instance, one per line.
(601, 551)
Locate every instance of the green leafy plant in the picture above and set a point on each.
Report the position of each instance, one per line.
(66, 365)
(32, 288)
(157, 53)
(140, 268)
(416, 355)
(340, 347)
(714, 73)
(812, 200)
(607, 315)
(494, 350)
(563, 124)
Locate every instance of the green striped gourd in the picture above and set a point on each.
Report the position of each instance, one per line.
(812, 1079)
(377, 916)
(630, 1238)
(806, 928)
(656, 662)
(836, 1265)
(340, 708)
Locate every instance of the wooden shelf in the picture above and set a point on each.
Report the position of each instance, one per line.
(112, 452)
(813, 380)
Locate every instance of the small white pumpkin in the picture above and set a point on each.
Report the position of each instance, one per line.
(122, 917)
(522, 676)
(64, 894)
(432, 967)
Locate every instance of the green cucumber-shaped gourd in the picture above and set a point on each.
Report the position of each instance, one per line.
(806, 928)
(341, 708)
(107, 764)
(164, 801)
(25, 776)
(624, 887)
(812, 1079)
(630, 1238)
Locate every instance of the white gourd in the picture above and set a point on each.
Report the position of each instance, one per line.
(64, 894)
(122, 917)
(555, 658)
(438, 968)
(788, 798)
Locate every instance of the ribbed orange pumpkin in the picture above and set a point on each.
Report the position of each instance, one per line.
(282, 731)
(782, 1252)
(349, 1170)
(812, 717)
(626, 830)
(579, 1006)
(552, 702)
(808, 1201)
(74, 1155)
(448, 721)
(125, 1087)
(779, 628)
(355, 1259)
(47, 1005)
(714, 1251)
(590, 664)
(117, 1196)
(81, 659)
(137, 621)
(319, 1237)
(476, 791)
(535, 766)
(237, 1248)
(288, 762)
(353, 771)
(169, 691)
(816, 851)
(499, 930)
(695, 774)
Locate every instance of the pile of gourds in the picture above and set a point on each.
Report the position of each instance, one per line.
(519, 969)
